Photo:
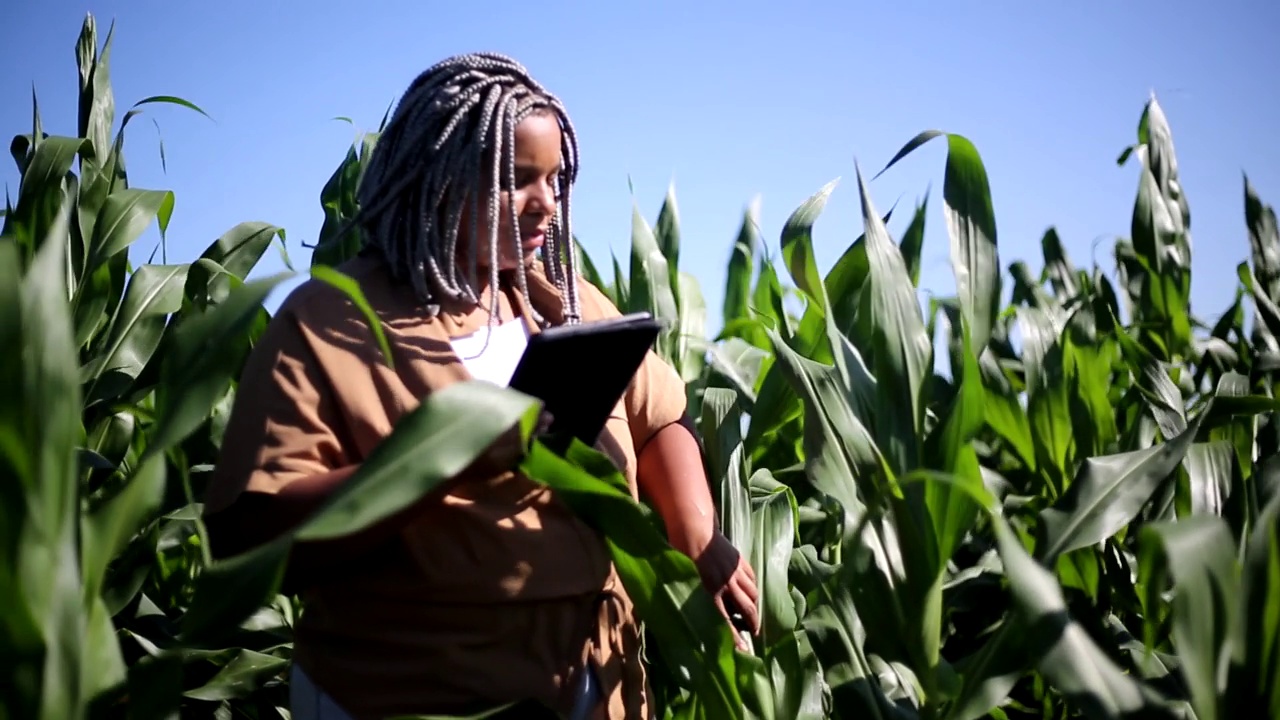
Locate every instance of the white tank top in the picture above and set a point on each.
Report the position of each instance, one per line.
(497, 363)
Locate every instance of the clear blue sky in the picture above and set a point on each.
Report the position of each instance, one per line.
(729, 100)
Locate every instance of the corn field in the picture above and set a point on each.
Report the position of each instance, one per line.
(1079, 519)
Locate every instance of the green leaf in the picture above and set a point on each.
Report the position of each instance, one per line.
(667, 234)
(741, 364)
(340, 239)
(1004, 414)
(242, 675)
(97, 103)
(774, 514)
(1264, 238)
(737, 289)
(1157, 387)
(1068, 658)
(838, 449)
(721, 431)
(204, 358)
(797, 679)
(1210, 469)
(1109, 492)
(621, 287)
(153, 294)
(1057, 266)
(1268, 311)
(108, 528)
(240, 248)
(102, 665)
(1257, 681)
(429, 445)
(950, 449)
(837, 634)
(891, 332)
(651, 288)
(1198, 554)
(1048, 406)
(592, 274)
(690, 332)
(1087, 362)
(912, 244)
(662, 583)
(40, 194)
(42, 476)
(818, 337)
(1160, 235)
(124, 215)
(971, 224)
(172, 100)
(797, 246)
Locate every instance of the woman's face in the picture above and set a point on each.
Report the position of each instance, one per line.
(537, 161)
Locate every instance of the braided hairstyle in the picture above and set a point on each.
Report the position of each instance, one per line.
(453, 128)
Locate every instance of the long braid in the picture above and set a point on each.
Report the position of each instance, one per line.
(454, 125)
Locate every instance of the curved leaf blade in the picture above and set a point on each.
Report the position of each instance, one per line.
(1109, 492)
(971, 223)
(891, 332)
(153, 294)
(203, 361)
(797, 245)
(124, 215)
(1198, 554)
(1064, 653)
(430, 444)
(663, 583)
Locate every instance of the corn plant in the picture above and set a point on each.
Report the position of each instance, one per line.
(1079, 519)
(126, 375)
(121, 386)
(1000, 542)
(117, 399)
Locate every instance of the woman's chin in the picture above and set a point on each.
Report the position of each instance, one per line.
(527, 259)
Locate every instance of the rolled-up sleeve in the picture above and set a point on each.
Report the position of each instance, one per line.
(656, 397)
(655, 400)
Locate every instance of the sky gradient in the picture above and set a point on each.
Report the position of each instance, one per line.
(725, 100)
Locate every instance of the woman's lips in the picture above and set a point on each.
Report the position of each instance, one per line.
(534, 240)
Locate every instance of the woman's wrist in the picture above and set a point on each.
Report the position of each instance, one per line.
(690, 531)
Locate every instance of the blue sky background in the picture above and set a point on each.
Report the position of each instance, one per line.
(726, 99)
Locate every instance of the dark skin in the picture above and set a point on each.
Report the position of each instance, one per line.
(670, 472)
(671, 477)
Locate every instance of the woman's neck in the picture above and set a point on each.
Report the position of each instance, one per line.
(506, 295)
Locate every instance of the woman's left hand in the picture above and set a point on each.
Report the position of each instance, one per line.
(671, 472)
(732, 583)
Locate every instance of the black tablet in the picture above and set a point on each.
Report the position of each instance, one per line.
(580, 371)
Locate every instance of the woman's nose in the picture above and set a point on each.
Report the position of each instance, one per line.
(542, 199)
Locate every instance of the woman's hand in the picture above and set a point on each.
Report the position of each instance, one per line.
(732, 583)
(670, 472)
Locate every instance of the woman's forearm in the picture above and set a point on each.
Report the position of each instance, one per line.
(671, 475)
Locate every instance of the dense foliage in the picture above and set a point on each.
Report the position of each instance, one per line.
(1079, 519)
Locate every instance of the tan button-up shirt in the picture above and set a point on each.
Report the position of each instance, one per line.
(491, 597)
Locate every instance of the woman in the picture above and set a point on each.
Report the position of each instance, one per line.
(489, 591)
